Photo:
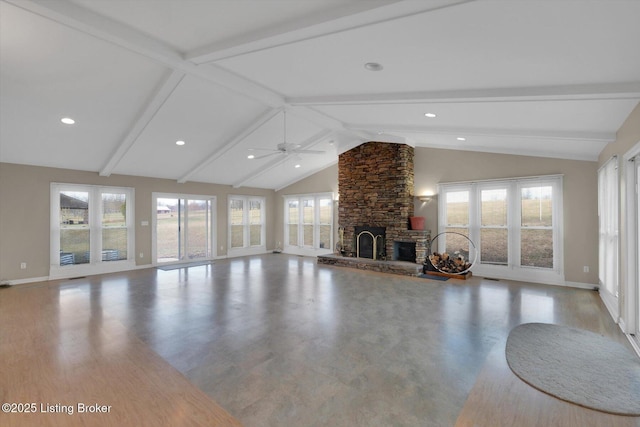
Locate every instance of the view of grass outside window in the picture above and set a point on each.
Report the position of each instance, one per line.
(325, 222)
(236, 219)
(114, 226)
(457, 222)
(494, 232)
(168, 229)
(198, 230)
(293, 215)
(255, 222)
(536, 235)
(75, 245)
(308, 219)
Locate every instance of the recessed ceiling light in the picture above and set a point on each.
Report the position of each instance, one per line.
(251, 156)
(430, 115)
(180, 142)
(461, 138)
(373, 66)
(67, 120)
(296, 166)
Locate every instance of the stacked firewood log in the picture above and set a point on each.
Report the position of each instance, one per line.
(446, 263)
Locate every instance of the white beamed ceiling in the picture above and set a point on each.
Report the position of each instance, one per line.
(548, 79)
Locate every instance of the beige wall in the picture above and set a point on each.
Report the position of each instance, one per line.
(433, 166)
(24, 213)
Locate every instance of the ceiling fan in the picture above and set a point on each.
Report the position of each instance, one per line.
(284, 147)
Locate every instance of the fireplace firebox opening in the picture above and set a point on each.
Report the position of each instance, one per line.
(404, 251)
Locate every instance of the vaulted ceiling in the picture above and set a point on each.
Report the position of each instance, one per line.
(235, 78)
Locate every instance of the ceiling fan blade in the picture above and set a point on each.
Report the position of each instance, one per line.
(267, 155)
(263, 149)
(309, 151)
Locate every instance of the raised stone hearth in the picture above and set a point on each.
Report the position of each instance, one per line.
(375, 185)
(394, 267)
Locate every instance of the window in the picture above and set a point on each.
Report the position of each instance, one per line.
(91, 227)
(494, 228)
(457, 220)
(246, 224)
(512, 223)
(536, 226)
(308, 223)
(114, 226)
(608, 233)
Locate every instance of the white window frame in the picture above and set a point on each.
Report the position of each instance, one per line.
(630, 247)
(313, 249)
(513, 270)
(96, 264)
(247, 248)
(510, 212)
(609, 235)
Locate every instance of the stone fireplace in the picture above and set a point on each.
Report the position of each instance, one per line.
(375, 186)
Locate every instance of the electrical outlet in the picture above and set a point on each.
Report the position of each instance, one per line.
(585, 269)
(141, 255)
(23, 266)
(222, 248)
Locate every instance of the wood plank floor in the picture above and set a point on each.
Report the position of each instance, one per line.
(278, 340)
(71, 360)
(501, 399)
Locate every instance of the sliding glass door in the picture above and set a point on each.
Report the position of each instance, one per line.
(183, 227)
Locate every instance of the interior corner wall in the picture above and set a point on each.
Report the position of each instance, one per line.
(24, 213)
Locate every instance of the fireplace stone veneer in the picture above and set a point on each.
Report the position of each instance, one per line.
(375, 185)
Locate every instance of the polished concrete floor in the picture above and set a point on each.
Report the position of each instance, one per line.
(277, 340)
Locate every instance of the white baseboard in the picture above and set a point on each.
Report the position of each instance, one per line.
(635, 343)
(611, 303)
(28, 280)
(581, 285)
